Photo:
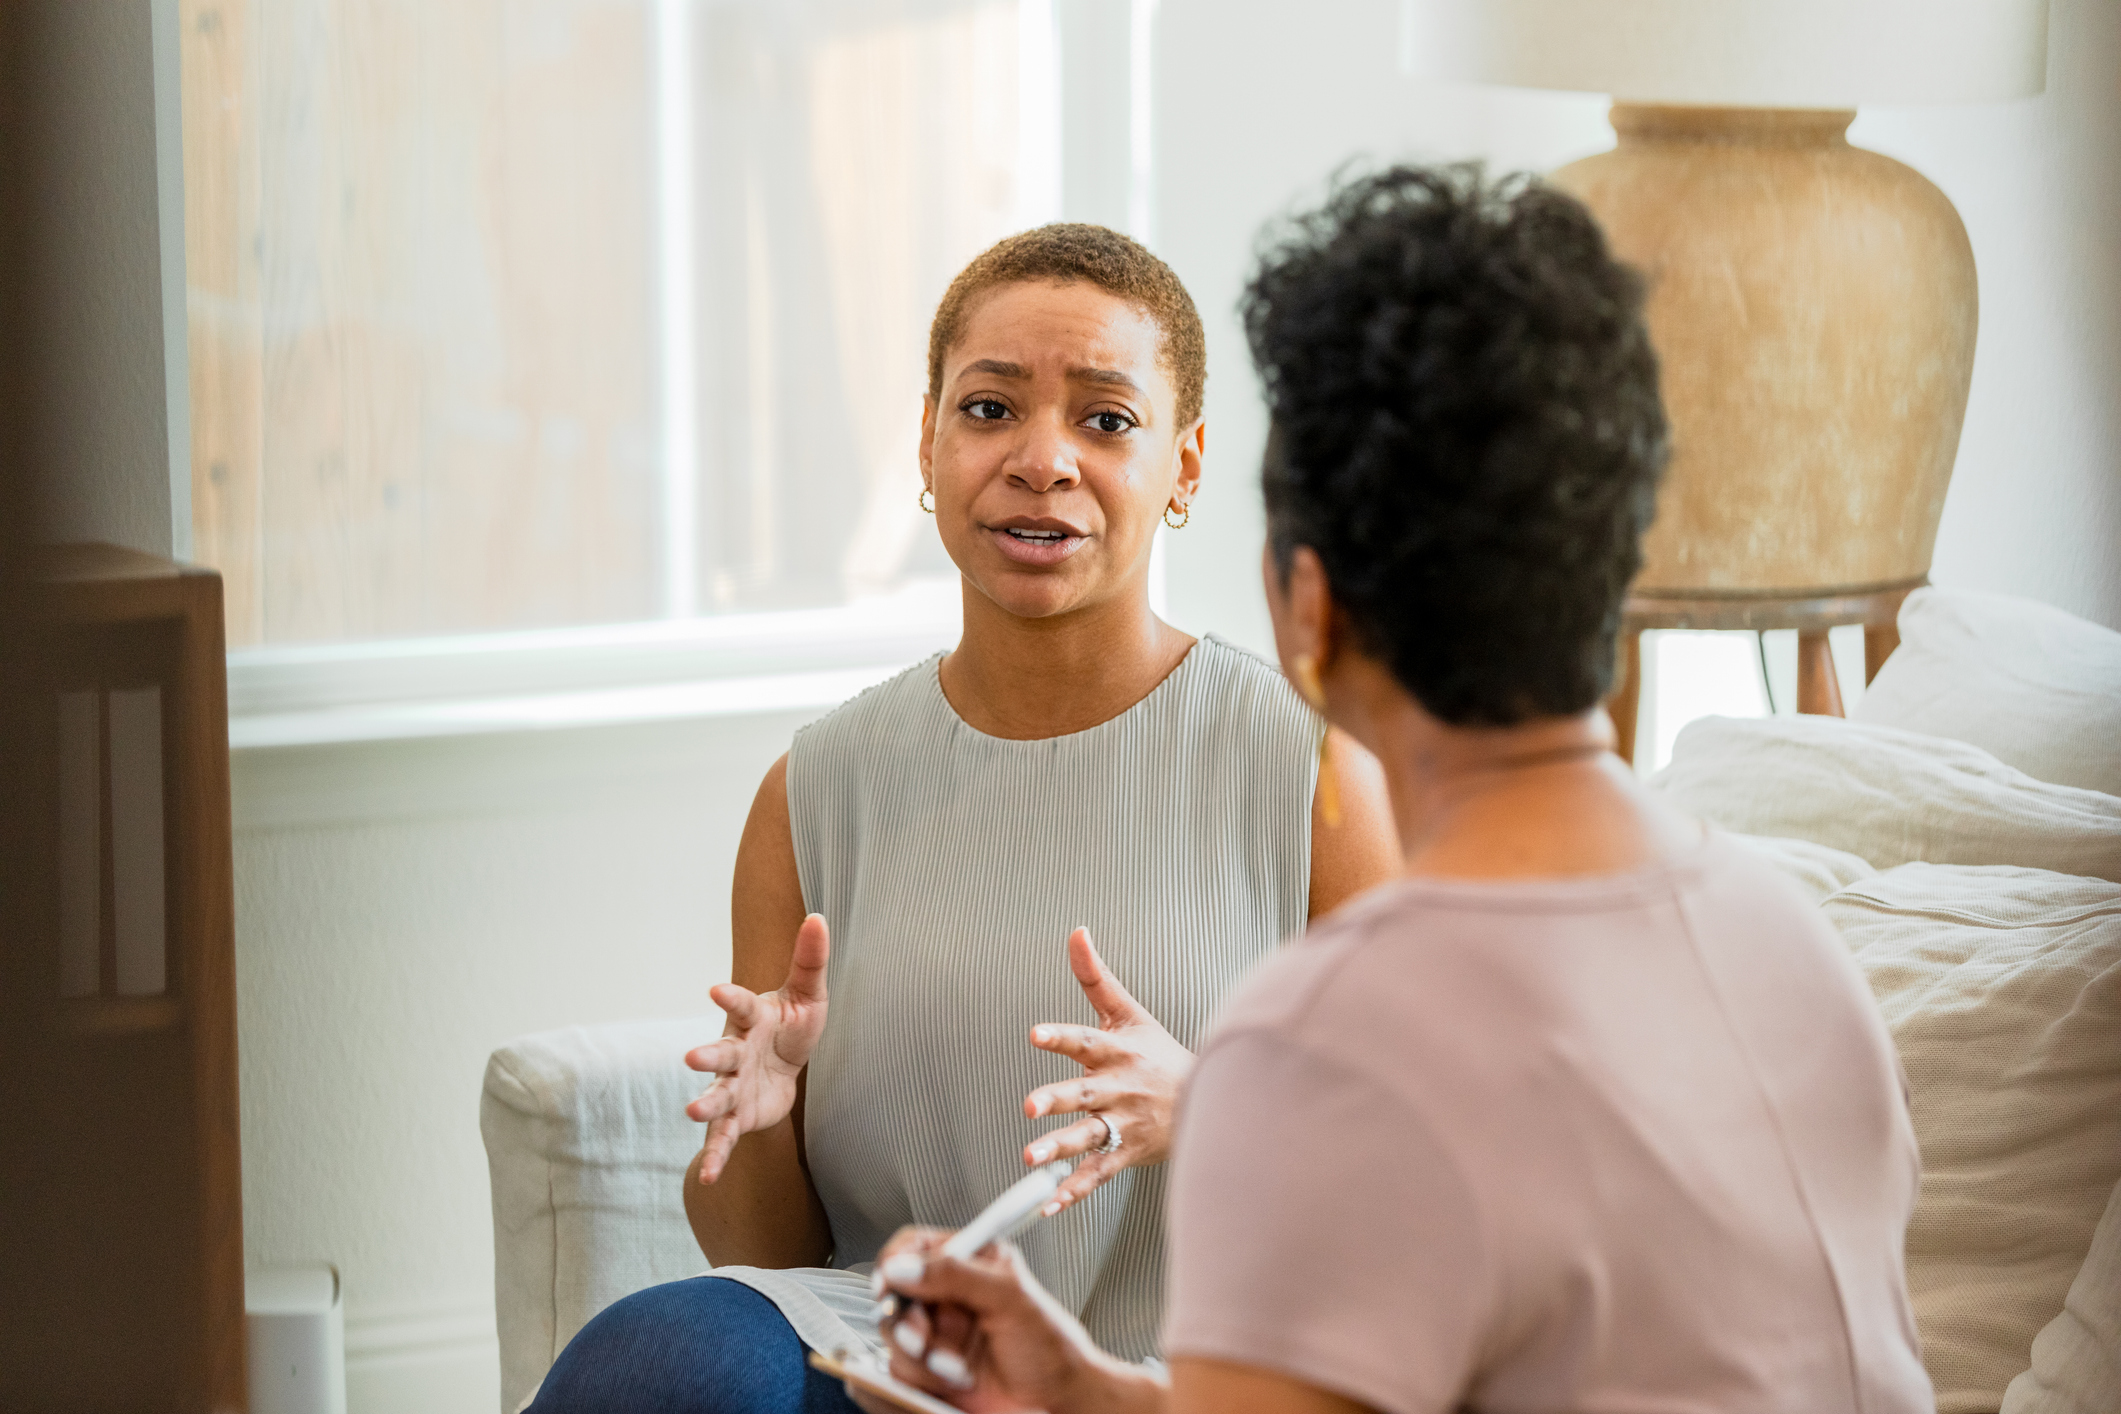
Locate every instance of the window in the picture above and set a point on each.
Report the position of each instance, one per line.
(537, 314)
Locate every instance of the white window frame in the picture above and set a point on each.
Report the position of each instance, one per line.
(679, 667)
(606, 674)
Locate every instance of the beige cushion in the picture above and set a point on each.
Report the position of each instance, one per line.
(2077, 1356)
(2035, 687)
(2002, 988)
(1888, 796)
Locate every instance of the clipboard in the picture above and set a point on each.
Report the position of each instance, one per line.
(863, 1372)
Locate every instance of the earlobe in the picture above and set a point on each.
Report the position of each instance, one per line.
(1311, 602)
(1186, 483)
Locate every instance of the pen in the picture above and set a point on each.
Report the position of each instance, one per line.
(1016, 1209)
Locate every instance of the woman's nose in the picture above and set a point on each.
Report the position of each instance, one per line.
(1044, 460)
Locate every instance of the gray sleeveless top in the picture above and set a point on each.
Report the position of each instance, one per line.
(951, 866)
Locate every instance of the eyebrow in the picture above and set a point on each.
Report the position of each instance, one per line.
(1103, 377)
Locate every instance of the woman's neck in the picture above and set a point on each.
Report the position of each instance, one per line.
(1544, 800)
(1027, 679)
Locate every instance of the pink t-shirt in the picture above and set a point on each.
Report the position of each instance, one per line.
(1629, 1143)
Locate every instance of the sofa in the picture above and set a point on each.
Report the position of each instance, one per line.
(1962, 832)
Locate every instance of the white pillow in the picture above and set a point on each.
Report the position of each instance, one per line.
(1816, 868)
(2077, 1356)
(2002, 989)
(1891, 797)
(2032, 686)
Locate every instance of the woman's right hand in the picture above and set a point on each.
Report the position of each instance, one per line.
(982, 1334)
(764, 1047)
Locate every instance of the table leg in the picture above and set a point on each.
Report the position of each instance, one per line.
(1625, 703)
(1818, 686)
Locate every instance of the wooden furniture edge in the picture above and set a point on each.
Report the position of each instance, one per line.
(1811, 613)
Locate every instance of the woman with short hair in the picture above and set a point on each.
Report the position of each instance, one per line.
(1588, 1110)
(928, 864)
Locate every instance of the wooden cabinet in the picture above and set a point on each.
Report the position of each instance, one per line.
(123, 1231)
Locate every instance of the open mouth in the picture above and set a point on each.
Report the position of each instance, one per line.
(1037, 545)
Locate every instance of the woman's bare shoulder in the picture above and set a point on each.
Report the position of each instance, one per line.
(855, 721)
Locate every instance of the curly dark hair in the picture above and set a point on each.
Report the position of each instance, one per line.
(1068, 251)
(1466, 430)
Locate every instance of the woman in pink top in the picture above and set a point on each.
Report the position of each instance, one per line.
(1587, 1111)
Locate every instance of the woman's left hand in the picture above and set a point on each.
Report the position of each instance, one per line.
(1134, 1071)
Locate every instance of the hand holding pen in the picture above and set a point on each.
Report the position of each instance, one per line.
(904, 1261)
(977, 1330)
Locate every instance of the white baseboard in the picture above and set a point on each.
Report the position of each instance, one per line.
(424, 1359)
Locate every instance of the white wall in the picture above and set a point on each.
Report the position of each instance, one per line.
(2035, 504)
(403, 909)
(1253, 110)
(1252, 113)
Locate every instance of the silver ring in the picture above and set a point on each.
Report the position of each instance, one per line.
(1111, 1144)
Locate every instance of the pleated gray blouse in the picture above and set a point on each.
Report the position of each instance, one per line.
(951, 866)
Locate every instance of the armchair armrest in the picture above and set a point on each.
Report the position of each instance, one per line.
(586, 1143)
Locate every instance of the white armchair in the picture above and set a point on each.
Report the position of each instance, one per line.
(586, 1145)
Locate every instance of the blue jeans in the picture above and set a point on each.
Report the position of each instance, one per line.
(704, 1346)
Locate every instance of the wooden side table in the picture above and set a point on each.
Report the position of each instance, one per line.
(120, 1156)
(1818, 687)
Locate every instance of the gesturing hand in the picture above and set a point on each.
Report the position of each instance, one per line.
(1134, 1072)
(764, 1047)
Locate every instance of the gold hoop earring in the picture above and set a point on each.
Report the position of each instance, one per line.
(1312, 689)
(1328, 783)
(1185, 513)
(1309, 685)
(925, 500)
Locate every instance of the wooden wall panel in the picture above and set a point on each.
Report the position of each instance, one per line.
(425, 299)
(221, 238)
(566, 188)
(440, 324)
